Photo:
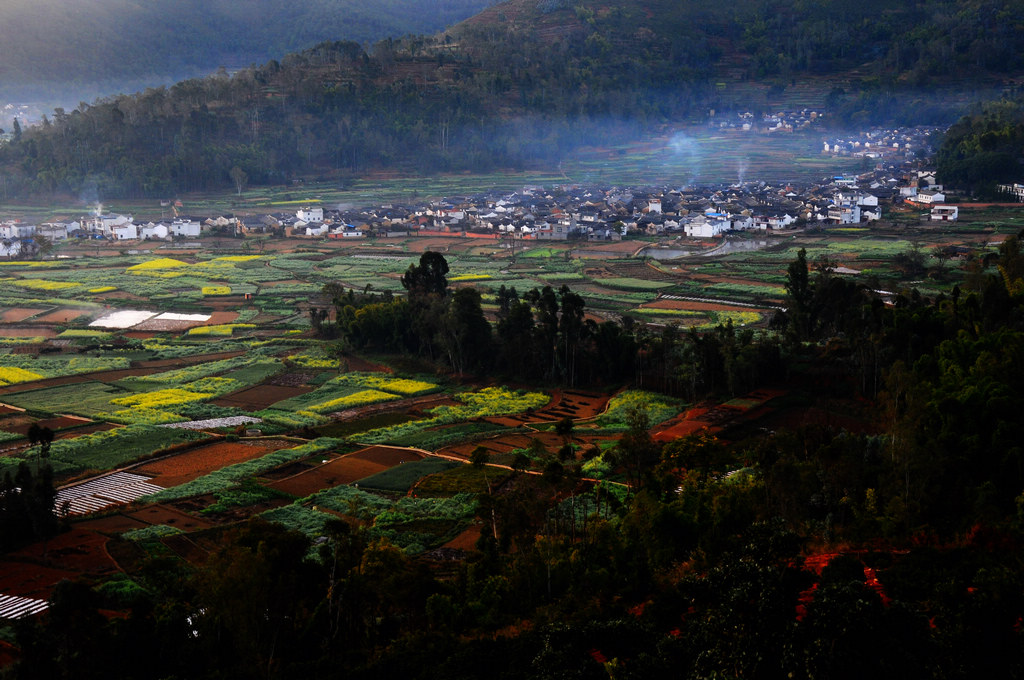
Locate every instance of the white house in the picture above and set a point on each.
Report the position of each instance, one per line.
(929, 197)
(308, 215)
(54, 232)
(154, 231)
(865, 200)
(11, 230)
(554, 232)
(708, 225)
(125, 232)
(742, 222)
(10, 248)
(844, 213)
(945, 213)
(1015, 190)
(186, 229)
(104, 224)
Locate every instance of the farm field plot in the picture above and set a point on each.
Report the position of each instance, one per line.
(19, 314)
(28, 334)
(261, 396)
(189, 465)
(23, 578)
(85, 398)
(102, 492)
(346, 469)
(164, 514)
(80, 550)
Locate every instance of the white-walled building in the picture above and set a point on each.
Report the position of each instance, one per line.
(945, 213)
(309, 215)
(185, 229)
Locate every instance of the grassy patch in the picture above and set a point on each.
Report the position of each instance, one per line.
(84, 399)
(462, 479)
(402, 477)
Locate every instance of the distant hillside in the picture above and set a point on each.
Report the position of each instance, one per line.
(985, 148)
(526, 82)
(110, 46)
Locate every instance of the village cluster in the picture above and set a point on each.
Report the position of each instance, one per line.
(585, 213)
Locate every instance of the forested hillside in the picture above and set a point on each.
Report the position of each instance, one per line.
(985, 148)
(110, 46)
(521, 85)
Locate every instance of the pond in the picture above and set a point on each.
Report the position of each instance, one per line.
(726, 247)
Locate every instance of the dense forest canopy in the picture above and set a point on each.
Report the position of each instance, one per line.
(985, 148)
(54, 48)
(522, 84)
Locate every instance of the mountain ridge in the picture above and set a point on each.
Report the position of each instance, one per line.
(122, 45)
(519, 85)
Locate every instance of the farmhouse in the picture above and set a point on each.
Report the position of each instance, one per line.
(309, 215)
(945, 213)
(185, 229)
(929, 197)
(1015, 191)
(11, 230)
(707, 225)
(124, 232)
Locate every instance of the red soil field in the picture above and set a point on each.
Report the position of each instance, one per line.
(437, 244)
(715, 418)
(119, 295)
(261, 396)
(78, 550)
(26, 579)
(89, 429)
(359, 364)
(346, 469)
(111, 524)
(387, 455)
(163, 514)
(28, 332)
(222, 317)
(339, 471)
(54, 424)
(15, 420)
(192, 464)
(504, 444)
(62, 316)
(18, 314)
(466, 540)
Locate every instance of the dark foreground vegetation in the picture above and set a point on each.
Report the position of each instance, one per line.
(694, 572)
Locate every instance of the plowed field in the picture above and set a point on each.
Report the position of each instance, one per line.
(346, 470)
(195, 463)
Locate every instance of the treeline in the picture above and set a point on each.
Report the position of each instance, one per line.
(984, 148)
(502, 92)
(542, 335)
